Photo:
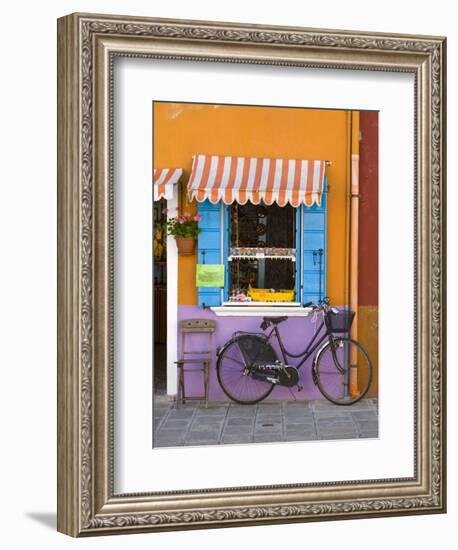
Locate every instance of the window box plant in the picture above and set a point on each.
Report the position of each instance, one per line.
(185, 229)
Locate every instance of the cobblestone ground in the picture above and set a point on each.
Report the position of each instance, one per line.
(231, 423)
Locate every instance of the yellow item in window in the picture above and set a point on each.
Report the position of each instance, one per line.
(268, 295)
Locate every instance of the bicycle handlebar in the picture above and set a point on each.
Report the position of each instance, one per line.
(321, 307)
(314, 306)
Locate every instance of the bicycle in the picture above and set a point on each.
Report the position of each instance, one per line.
(248, 367)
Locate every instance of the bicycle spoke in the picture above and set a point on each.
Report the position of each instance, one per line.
(235, 369)
(339, 380)
(235, 361)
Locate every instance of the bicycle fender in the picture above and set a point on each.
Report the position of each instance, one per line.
(220, 350)
(261, 337)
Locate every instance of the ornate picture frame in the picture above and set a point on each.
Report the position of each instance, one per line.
(87, 45)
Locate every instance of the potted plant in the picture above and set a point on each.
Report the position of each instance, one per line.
(185, 229)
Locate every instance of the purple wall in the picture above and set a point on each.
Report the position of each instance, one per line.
(295, 332)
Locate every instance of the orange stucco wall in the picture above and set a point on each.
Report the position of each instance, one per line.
(182, 130)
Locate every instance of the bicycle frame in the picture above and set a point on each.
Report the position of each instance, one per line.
(309, 350)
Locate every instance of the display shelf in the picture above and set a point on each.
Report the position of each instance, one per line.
(254, 303)
(259, 257)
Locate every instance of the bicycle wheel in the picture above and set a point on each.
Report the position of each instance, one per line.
(343, 371)
(235, 367)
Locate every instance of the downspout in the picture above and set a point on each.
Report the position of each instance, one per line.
(347, 213)
(354, 238)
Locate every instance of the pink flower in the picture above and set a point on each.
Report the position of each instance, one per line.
(197, 217)
(186, 214)
(165, 210)
(181, 220)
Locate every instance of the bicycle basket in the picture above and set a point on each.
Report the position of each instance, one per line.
(339, 322)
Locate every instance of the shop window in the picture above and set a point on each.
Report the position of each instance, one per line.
(262, 254)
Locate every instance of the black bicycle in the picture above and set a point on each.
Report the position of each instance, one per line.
(248, 367)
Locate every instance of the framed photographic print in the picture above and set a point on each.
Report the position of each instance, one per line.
(251, 274)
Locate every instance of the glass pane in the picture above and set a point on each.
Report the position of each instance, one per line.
(263, 242)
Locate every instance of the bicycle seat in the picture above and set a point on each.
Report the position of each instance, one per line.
(275, 320)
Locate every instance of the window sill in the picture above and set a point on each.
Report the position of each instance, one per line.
(261, 309)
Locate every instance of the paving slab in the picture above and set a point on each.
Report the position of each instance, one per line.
(322, 405)
(234, 439)
(177, 414)
(241, 411)
(334, 414)
(340, 435)
(312, 436)
(168, 443)
(331, 437)
(365, 415)
(171, 424)
(205, 421)
(220, 413)
(240, 421)
(367, 425)
(298, 420)
(268, 431)
(296, 404)
(269, 407)
(269, 438)
(199, 442)
(269, 419)
(336, 426)
(299, 427)
(234, 430)
(298, 413)
(166, 440)
(368, 435)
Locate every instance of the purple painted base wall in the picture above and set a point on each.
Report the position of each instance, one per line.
(296, 332)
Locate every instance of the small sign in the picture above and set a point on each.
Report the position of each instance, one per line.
(210, 275)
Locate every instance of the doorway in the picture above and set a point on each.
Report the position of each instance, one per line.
(160, 297)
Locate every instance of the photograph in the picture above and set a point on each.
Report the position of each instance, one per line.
(269, 217)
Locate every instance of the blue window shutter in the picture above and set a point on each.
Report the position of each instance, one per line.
(313, 241)
(209, 247)
(226, 248)
(298, 263)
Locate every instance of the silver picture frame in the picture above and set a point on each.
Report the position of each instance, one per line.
(87, 46)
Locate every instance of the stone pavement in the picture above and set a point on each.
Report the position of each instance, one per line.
(270, 421)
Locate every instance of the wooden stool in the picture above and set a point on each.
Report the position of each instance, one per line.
(202, 358)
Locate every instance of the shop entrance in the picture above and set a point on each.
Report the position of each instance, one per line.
(160, 298)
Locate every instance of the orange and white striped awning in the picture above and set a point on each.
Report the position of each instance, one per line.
(164, 180)
(242, 179)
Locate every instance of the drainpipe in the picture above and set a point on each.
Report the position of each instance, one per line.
(347, 213)
(354, 233)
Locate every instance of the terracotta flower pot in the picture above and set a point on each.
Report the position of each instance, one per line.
(185, 245)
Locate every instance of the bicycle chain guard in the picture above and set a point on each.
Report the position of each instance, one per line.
(288, 376)
(283, 375)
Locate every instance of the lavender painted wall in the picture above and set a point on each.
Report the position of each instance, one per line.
(296, 332)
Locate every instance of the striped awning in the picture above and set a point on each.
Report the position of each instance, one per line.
(242, 179)
(164, 180)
